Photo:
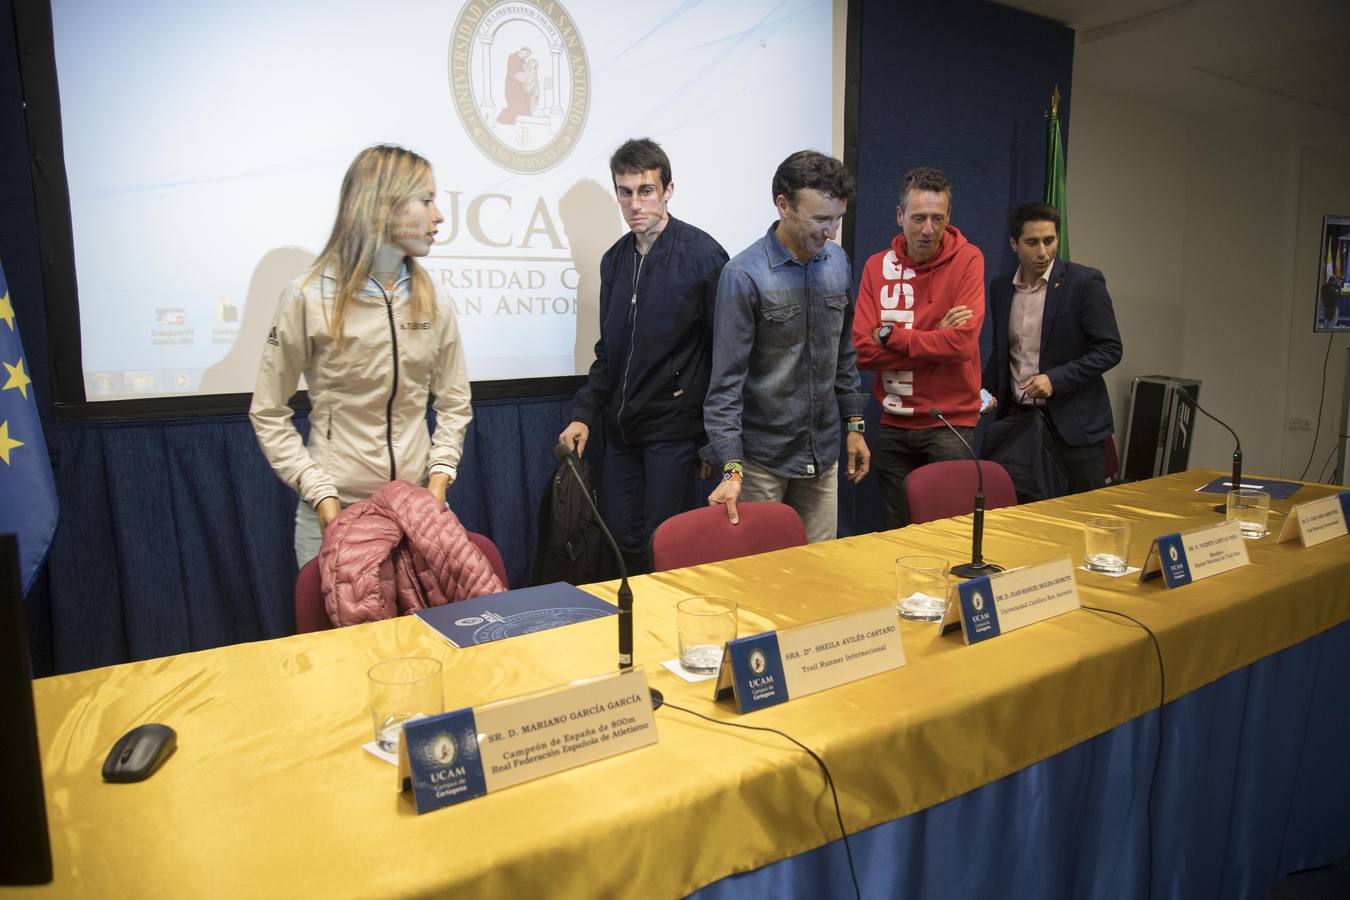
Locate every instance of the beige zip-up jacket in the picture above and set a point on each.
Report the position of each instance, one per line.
(368, 403)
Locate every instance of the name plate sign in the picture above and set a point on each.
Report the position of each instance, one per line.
(459, 755)
(1186, 556)
(1317, 521)
(776, 666)
(1006, 601)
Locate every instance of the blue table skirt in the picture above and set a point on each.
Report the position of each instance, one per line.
(1253, 783)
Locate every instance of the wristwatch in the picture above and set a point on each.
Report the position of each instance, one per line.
(856, 424)
(883, 333)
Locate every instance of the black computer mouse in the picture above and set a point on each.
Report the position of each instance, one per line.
(139, 752)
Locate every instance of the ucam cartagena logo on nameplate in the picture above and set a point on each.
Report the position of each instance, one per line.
(459, 755)
(1006, 601)
(776, 666)
(1186, 556)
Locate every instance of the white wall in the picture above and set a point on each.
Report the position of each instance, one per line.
(1203, 229)
(1324, 189)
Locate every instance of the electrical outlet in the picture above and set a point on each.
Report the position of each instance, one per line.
(1295, 423)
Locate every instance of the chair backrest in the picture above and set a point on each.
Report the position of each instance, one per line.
(1112, 459)
(494, 556)
(310, 614)
(941, 490)
(706, 535)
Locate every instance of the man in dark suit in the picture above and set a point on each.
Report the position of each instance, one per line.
(1054, 335)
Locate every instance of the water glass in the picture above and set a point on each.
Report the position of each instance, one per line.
(402, 690)
(705, 625)
(1250, 508)
(922, 584)
(1106, 545)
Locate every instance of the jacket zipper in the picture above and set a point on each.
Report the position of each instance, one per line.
(632, 338)
(393, 392)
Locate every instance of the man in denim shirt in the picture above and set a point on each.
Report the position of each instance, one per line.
(784, 372)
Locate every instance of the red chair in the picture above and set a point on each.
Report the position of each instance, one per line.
(310, 614)
(707, 535)
(941, 490)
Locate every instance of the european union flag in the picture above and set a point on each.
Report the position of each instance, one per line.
(27, 491)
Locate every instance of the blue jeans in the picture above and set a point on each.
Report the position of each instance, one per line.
(642, 485)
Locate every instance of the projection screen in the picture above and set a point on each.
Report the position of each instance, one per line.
(205, 145)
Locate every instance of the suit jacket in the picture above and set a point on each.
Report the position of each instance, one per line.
(1079, 341)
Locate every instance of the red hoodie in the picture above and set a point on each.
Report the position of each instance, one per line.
(923, 364)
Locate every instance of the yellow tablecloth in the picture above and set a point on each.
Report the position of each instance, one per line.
(269, 795)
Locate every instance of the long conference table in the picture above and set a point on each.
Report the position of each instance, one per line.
(1037, 763)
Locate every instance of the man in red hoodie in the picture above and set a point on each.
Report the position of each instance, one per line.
(917, 324)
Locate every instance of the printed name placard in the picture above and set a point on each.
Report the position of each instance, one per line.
(459, 755)
(1006, 601)
(1186, 556)
(1317, 521)
(776, 666)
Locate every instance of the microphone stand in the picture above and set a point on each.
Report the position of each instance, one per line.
(977, 567)
(565, 455)
(1237, 447)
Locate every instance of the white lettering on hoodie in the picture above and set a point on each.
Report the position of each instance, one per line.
(897, 308)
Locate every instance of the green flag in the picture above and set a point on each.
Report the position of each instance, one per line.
(1055, 193)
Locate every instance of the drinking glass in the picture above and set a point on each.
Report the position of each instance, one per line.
(402, 690)
(1106, 544)
(705, 625)
(1250, 508)
(922, 584)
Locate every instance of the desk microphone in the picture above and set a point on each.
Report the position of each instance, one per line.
(566, 456)
(977, 566)
(1237, 447)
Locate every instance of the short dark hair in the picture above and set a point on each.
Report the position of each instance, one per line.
(925, 178)
(1032, 212)
(639, 155)
(807, 169)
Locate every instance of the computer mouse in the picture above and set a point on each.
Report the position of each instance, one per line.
(139, 752)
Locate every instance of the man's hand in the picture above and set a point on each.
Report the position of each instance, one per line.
(437, 484)
(574, 437)
(859, 457)
(728, 492)
(957, 315)
(328, 510)
(1038, 387)
(705, 471)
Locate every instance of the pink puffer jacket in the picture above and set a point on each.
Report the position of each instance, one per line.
(397, 552)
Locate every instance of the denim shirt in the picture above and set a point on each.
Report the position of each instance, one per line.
(784, 370)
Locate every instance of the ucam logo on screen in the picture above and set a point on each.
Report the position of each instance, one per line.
(520, 81)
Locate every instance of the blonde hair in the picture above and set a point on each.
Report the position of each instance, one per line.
(378, 182)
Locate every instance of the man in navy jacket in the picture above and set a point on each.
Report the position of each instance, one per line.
(1054, 335)
(658, 284)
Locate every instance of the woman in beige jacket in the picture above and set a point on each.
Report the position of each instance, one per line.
(374, 338)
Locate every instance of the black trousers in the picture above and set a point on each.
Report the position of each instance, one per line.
(900, 451)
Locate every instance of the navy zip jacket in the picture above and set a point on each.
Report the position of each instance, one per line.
(653, 357)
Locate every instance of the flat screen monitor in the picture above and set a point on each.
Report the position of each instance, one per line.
(1332, 309)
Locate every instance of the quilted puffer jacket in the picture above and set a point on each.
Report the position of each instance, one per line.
(397, 552)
